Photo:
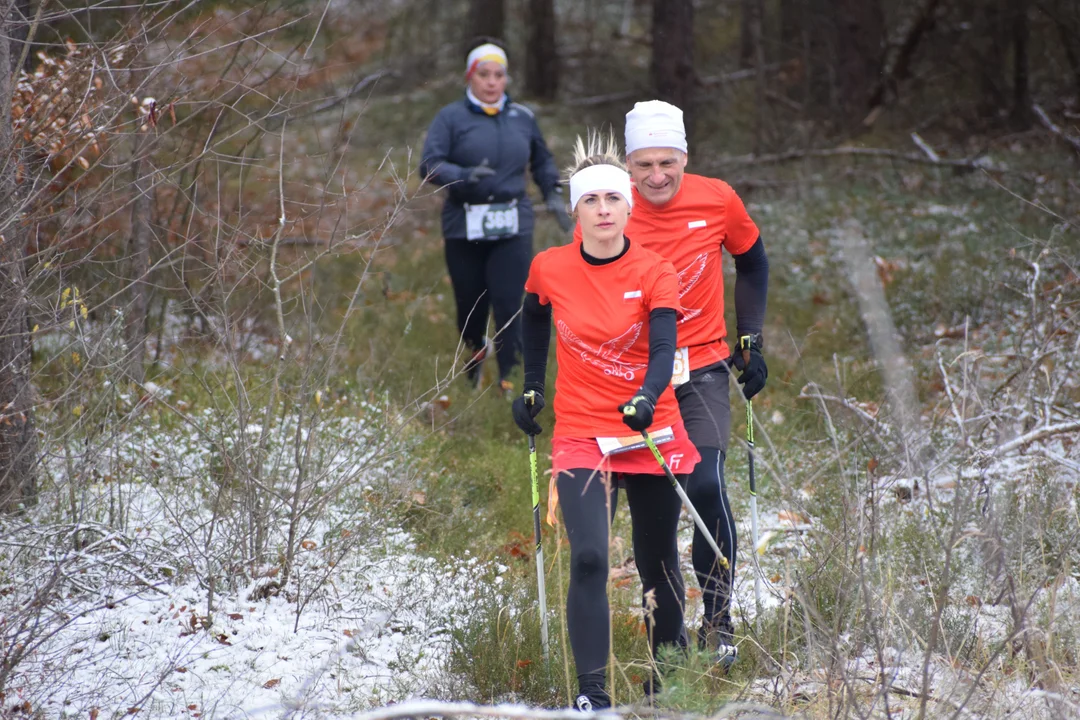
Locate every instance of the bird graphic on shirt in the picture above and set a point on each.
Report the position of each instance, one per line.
(688, 278)
(607, 356)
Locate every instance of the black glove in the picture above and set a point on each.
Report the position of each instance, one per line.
(557, 206)
(749, 360)
(479, 172)
(527, 407)
(638, 412)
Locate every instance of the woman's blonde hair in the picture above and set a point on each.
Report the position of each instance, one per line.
(597, 149)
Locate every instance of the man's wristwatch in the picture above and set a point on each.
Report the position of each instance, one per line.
(754, 341)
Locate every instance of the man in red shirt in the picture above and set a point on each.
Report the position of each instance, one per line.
(688, 219)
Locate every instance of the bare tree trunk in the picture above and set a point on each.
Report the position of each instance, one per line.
(860, 26)
(1067, 23)
(901, 66)
(758, 34)
(18, 441)
(1020, 117)
(486, 17)
(790, 29)
(819, 41)
(990, 41)
(747, 17)
(542, 62)
(672, 66)
(138, 258)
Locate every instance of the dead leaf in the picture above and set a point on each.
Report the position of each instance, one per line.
(791, 517)
(308, 545)
(886, 269)
(693, 593)
(93, 713)
(236, 616)
(524, 663)
(871, 465)
(419, 497)
(272, 683)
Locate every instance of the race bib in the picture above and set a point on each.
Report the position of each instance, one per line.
(681, 373)
(616, 445)
(491, 222)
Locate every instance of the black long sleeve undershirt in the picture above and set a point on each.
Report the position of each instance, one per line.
(663, 333)
(751, 289)
(536, 337)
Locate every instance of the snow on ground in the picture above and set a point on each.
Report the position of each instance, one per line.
(381, 636)
(365, 619)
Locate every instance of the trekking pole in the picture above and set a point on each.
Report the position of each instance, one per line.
(744, 345)
(753, 499)
(540, 589)
(631, 410)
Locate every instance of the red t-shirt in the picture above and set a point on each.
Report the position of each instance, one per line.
(689, 231)
(601, 316)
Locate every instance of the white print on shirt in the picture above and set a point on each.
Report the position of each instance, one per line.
(607, 356)
(688, 278)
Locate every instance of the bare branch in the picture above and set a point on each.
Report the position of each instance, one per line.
(1049, 125)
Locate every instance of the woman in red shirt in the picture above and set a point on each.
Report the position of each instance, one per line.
(614, 305)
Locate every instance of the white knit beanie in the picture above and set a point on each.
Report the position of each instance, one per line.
(655, 123)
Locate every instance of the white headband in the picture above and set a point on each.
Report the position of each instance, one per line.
(484, 53)
(655, 124)
(600, 177)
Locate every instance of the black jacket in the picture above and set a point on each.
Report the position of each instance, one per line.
(462, 136)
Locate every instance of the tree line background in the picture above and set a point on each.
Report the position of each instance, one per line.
(755, 76)
(959, 65)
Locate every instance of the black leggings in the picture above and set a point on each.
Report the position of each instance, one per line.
(706, 411)
(490, 276)
(707, 490)
(587, 504)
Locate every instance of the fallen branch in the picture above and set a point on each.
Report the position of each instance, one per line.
(705, 82)
(965, 164)
(744, 74)
(812, 392)
(925, 147)
(1036, 435)
(1049, 125)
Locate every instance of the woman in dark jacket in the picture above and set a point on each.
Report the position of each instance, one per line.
(479, 148)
